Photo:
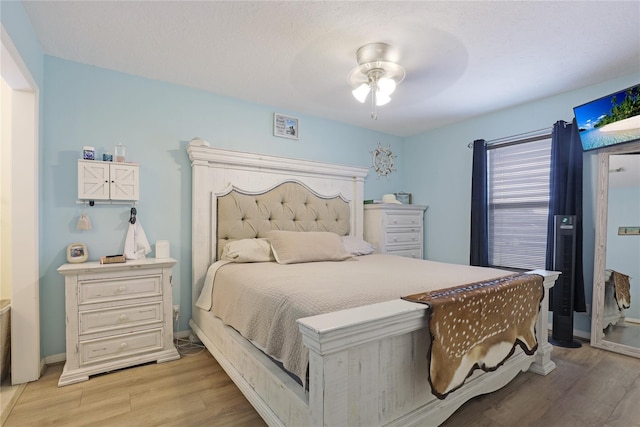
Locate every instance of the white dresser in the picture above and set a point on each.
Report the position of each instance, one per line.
(117, 315)
(395, 229)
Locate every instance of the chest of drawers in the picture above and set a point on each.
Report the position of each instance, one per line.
(117, 315)
(395, 229)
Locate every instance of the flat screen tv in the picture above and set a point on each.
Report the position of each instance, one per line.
(610, 120)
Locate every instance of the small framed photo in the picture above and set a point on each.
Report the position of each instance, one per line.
(404, 198)
(286, 126)
(77, 252)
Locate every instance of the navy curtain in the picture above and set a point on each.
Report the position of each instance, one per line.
(479, 251)
(566, 196)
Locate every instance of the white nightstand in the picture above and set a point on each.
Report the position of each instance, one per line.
(117, 315)
(395, 229)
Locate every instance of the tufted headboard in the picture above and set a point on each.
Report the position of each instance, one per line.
(241, 195)
(289, 206)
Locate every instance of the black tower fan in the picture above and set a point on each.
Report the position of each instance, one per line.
(564, 261)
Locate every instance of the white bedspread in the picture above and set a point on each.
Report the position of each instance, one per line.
(263, 300)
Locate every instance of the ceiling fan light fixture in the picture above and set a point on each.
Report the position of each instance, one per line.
(361, 92)
(377, 73)
(386, 86)
(382, 98)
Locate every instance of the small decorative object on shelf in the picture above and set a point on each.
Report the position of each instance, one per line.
(120, 152)
(383, 160)
(88, 153)
(107, 157)
(112, 259)
(77, 252)
(404, 198)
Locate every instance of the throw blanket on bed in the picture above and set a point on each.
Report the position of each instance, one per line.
(263, 300)
(478, 326)
(622, 287)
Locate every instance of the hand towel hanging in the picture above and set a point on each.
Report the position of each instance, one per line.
(136, 245)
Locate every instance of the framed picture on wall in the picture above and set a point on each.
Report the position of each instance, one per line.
(286, 126)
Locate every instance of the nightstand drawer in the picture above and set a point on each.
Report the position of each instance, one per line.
(120, 346)
(403, 220)
(121, 317)
(399, 237)
(103, 290)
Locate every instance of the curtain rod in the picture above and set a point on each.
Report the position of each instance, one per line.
(516, 137)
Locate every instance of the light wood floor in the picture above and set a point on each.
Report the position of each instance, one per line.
(590, 387)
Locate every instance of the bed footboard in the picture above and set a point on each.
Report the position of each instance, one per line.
(368, 365)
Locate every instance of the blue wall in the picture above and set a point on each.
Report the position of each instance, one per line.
(15, 21)
(86, 105)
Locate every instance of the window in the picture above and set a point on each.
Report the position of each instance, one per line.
(518, 198)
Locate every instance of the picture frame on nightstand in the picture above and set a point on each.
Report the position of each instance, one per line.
(77, 252)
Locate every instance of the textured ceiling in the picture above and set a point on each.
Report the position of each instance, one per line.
(462, 59)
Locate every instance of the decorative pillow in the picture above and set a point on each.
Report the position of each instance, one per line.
(291, 247)
(248, 250)
(356, 246)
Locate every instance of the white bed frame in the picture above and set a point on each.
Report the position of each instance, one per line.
(367, 365)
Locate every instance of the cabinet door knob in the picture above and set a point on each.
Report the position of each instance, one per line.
(122, 288)
(123, 317)
(395, 221)
(395, 239)
(123, 345)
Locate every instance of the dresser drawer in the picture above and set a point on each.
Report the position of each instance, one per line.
(103, 290)
(120, 317)
(104, 349)
(401, 237)
(403, 219)
(410, 253)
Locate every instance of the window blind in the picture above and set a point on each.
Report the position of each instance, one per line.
(518, 203)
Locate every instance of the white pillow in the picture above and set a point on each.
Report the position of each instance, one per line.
(248, 250)
(356, 246)
(291, 247)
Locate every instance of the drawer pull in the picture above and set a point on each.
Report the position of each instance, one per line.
(395, 239)
(123, 317)
(122, 288)
(413, 237)
(123, 345)
(395, 221)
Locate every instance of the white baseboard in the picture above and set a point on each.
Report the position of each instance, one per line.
(55, 358)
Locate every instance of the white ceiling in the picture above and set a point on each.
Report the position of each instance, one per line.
(462, 59)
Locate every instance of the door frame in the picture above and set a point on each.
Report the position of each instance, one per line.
(26, 362)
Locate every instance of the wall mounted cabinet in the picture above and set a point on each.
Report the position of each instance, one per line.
(108, 180)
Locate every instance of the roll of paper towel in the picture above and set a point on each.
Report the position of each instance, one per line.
(162, 249)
